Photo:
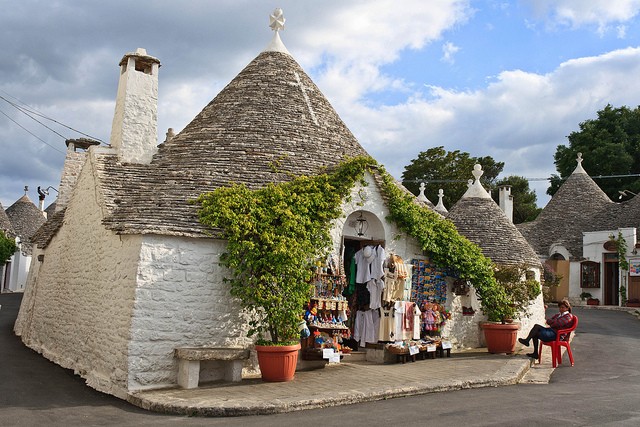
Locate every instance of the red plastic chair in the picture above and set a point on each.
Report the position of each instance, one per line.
(562, 340)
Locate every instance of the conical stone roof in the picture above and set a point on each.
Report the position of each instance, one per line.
(574, 209)
(478, 218)
(5, 224)
(26, 218)
(270, 123)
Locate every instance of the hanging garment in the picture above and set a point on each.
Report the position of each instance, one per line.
(375, 288)
(377, 266)
(364, 258)
(417, 324)
(386, 325)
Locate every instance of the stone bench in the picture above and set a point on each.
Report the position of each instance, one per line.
(189, 359)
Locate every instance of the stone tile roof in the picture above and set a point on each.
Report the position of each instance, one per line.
(269, 123)
(26, 218)
(5, 224)
(45, 233)
(482, 221)
(579, 205)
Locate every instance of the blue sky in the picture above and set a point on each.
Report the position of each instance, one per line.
(508, 79)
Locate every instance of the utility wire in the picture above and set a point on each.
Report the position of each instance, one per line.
(29, 111)
(31, 133)
(528, 179)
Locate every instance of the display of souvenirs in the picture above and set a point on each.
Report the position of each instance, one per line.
(434, 317)
(427, 283)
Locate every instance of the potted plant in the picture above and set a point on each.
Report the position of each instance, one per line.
(633, 302)
(520, 288)
(274, 234)
(589, 298)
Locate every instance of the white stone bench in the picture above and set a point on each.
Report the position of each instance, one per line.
(189, 359)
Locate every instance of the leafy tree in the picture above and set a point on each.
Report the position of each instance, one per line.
(610, 145)
(7, 248)
(449, 170)
(525, 200)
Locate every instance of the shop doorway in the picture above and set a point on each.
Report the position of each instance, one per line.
(611, 279)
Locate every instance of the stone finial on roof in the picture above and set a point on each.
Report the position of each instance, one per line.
(476, 189)
(276, 22)
(421, 197)
(579, 168)
(440, 206)
(169, 135)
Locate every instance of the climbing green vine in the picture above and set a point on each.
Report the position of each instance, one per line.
(621, 248)
(275, 233)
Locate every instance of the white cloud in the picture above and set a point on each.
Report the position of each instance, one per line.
(579, 13)
(520, 118)
(448, 51)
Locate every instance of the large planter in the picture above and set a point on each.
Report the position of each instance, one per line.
(501, 337)
(593, 301)
(277, 363)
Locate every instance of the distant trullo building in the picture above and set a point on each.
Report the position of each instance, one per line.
(20, 222)
(573, 235)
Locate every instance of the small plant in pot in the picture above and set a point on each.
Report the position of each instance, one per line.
(586, 296)
(519, 288)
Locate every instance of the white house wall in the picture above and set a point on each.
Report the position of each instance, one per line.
(78, 313)
(19, 271)
(180, 301)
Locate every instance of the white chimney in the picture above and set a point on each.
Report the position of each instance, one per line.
(506, 201)
(134, 132)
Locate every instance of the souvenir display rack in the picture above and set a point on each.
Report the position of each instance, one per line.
(420, 350)
(326, 315)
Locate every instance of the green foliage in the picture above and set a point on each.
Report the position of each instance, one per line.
(521, 288)
(621, 248)
(7, 248)
(437, 165)
(525, 207)
(274, 234)
(611, 146)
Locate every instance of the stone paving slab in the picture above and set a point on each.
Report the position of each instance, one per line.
(339, 384)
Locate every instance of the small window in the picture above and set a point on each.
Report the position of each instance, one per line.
(590, 274)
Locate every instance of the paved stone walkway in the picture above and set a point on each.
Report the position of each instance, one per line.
(347, 383)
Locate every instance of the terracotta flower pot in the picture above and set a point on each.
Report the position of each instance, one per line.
(277, 363)
(501, 338)
(593, 301)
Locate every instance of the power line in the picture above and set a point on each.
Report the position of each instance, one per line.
(31, 111)
(31, 133)
(426, 181)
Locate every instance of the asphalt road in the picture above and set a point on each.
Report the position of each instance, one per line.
(602, 389)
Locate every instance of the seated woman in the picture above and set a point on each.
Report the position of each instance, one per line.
(561, 320)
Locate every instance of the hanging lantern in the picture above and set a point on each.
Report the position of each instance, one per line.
(361, 225)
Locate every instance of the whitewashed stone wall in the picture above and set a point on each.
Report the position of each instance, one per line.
(79, 310)
(180, 301)
(73, 163)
